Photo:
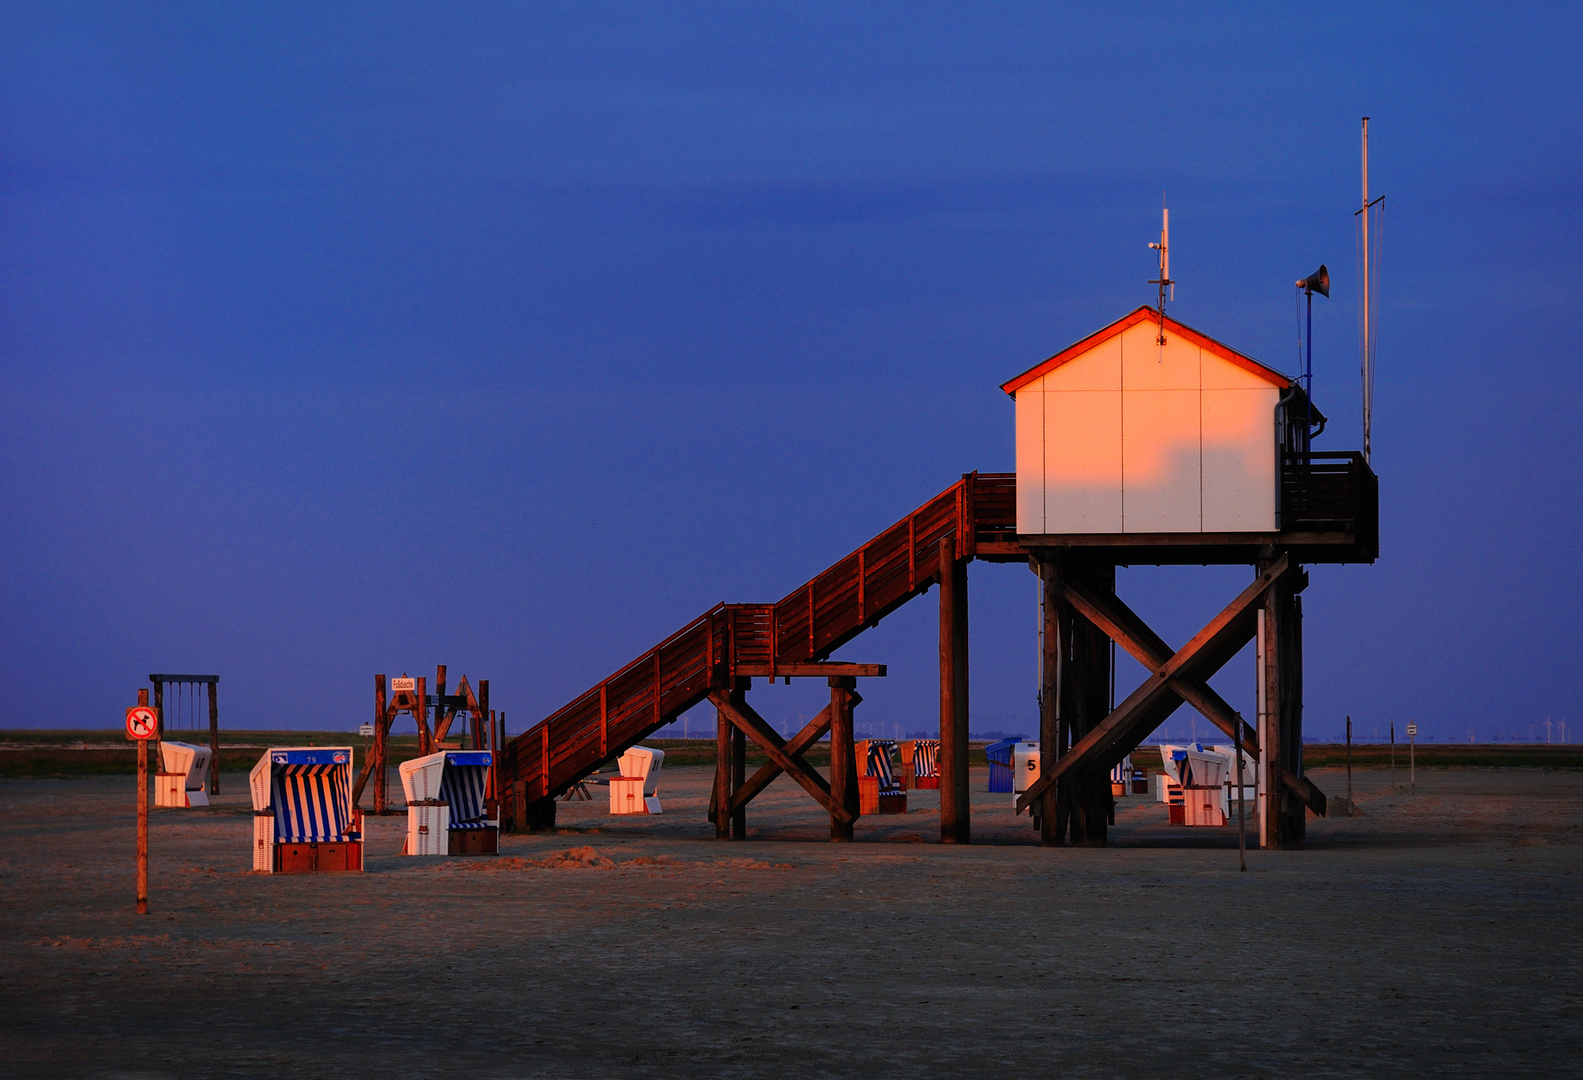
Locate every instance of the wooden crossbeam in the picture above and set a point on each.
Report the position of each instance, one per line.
(811, 733)
(811, 671)
(1108, 612)
(754, 726)
(1305, 790)
(1155, 699)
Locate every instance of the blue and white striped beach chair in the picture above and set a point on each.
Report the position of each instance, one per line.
(447, 807)
(463, 785)
(303, 818)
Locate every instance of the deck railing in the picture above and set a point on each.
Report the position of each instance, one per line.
(1330, 493)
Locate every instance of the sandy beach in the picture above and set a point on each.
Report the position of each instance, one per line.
(1437, 934)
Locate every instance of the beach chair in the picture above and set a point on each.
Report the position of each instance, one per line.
(877, 789)
(636, 790)
(922, 759)
(183, 774)
(1000, 763)
(303, 818)
(446, 809)
(1198, 775)
(1025, 763)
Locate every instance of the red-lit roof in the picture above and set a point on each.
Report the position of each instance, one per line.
(1147, 314)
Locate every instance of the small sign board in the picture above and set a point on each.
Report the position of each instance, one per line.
(399, 685)
(1412, 731)
(141, 722)
(366, 731)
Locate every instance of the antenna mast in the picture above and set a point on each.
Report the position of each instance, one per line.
(1371, 213)
(1164, 280)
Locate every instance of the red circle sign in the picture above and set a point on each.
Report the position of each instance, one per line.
(141, 723)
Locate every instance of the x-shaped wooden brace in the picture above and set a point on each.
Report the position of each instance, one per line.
(784, 756)
(811, 733)
(1176, 677)
(1123, 626)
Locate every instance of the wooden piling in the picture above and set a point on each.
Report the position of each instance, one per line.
(843, 757)
(1050, 743)
(955, 810)
(1282, 814)
(722, 775)
(739, 775)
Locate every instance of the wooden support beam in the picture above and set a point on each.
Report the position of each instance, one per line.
(955, 811)
(843, 759)
(811, 733)
(1286, 794)
(1149, 705)
(742, 715)
(1123, 626)
(1051, 747)
(722, 796)
(811, 671)
(1089, 796)
(739, 768)
(1306, 791)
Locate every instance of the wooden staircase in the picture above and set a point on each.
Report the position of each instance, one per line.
(730, 640)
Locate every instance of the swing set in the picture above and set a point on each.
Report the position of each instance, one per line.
(186, 718)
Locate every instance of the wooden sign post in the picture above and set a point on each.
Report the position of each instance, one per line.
(142, 724)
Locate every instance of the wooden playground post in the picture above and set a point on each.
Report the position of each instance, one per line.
(381, 748)
(481, 716)
(159, 706)
(420, 713)
(214, 736)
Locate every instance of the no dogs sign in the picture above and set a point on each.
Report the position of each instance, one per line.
(141, 723)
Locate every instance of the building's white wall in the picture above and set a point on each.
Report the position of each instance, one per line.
(1239, 459)
(1139, 438)
(1159, 432)
(1082, 461)
(1160, 460)
(1030, 459)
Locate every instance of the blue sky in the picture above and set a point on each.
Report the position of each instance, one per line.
(348, 340)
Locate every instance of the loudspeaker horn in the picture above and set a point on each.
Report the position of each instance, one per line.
(1317, 282)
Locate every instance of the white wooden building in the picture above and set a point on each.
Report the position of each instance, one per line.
(1121, 434)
